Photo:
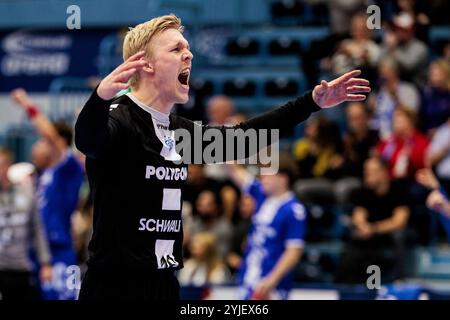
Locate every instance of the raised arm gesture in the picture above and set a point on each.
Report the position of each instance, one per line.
(118, 79)
(345, 88)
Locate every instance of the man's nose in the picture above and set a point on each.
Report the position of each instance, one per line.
(188, 55)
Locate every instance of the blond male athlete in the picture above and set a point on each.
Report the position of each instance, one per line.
(131, 163)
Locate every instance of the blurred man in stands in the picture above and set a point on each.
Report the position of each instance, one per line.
(360, 51)
(220, 108)
(359, 141)
(377, 225)
(20, 227)
(276, 238)
(210, 218)
(58, 187)
(408, 52)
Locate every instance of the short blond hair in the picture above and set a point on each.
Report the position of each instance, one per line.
(138, 38)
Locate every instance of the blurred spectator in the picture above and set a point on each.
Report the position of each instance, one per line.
(319, 158)
(219, 109)
(20, 227)
(209, 218)
(58, 187)
(198, 182)
(204, 267)
(392, 92)
(401, 45)
(377, 226)
(417, 10)
(358, 52)
(341, 13)
(359, 140)
(438, 154)
(435, 107)
(276, 237)
(405, 150)
(438, 198)
(240, 231)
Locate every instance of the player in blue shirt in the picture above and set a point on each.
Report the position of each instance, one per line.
(59, 182)
(276, 238)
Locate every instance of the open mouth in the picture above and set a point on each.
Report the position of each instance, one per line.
(183, 77)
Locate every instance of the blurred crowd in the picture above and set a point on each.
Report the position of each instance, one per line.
(385, 163)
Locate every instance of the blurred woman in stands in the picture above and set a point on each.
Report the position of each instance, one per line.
(435, 107)
(319, 158)
(205, 266)
(405, 149)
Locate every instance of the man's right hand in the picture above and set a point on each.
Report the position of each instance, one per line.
(21, 98)
(118, 79)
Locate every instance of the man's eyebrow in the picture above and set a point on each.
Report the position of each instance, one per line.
(183, 43)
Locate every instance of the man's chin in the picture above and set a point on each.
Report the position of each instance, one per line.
(183, 99)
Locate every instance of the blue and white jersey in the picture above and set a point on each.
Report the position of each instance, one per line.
(58, 189)
(278, 223)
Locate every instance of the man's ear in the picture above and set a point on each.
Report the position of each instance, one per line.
(148, 67)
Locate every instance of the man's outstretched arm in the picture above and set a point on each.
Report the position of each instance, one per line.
(94, 129)
(285, 118)
(323, 96)
(39, 120)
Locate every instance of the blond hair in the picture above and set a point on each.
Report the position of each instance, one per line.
(211, 255)
(444, 65)
(138, 38)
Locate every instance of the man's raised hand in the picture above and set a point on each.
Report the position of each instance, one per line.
(21, 98)
(118, 79)
(344, 88)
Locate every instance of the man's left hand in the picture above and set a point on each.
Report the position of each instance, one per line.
(342, 89)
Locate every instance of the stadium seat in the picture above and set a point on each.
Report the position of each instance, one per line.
(243, 46)
(287, 9)
(239, 87)
(284, 46)
(202, 87)
(281, 87)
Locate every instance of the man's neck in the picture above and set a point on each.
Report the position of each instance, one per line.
(280, 193)
(151, 96)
